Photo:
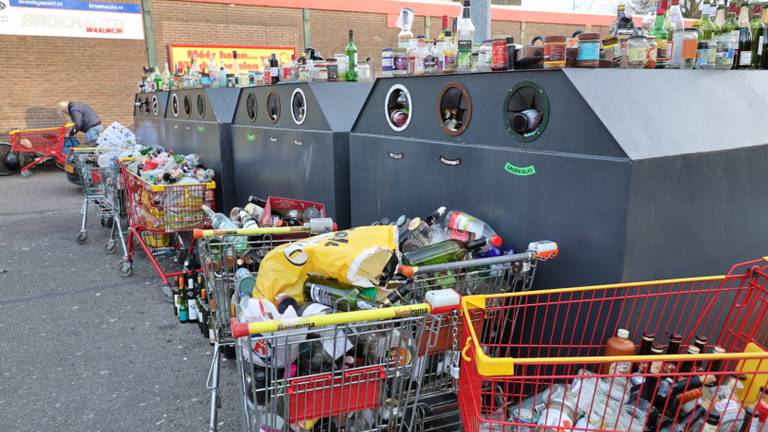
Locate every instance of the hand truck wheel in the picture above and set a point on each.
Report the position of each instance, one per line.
(82, 237)
(110, 247)
(229, 351)
(126, 268)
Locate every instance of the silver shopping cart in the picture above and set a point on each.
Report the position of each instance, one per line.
(103, 188)
(386, 369)
(222, 253)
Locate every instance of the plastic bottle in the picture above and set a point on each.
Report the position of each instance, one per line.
(618, 345)
(220, 221)
(458, 220)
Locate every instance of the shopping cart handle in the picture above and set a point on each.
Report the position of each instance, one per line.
(436, 302)
(315, 226)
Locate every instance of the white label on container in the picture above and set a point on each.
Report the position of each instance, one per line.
(760, 46)
(192, 310)
(746, 58)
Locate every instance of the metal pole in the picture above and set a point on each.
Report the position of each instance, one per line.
(481, 18)
(149, 35)
(307, 31)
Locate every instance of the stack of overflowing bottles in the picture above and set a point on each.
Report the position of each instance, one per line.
(160, 167)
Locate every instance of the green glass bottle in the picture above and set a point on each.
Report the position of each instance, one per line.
(731, 24)
(707, 25)
(443, 252)
(661, 34)
(756, 25)
(338, 295)
(352, 58)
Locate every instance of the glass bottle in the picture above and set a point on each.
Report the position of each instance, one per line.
(764, 41)
(756, 27)
(466, 33)
(660, 33)
(677, 33)
(730, 21)
(421, 54)
(443, 252)
(744, 54)
(338, 295)
(707, 26)
(405, 20)
(448, 53)
(484, 56)
(352, 59)
(441, 35)
(720, 18)
(274, 69)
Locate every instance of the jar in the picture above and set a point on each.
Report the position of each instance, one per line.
(690, 45)
(554, 52)
(637, 49)
(589, 50)
(320, 72)
(651, 53)
(484, 54)
(258, 78)
(400, 62)
(364, 73)
(342, 62)
(499, 54)
(702, 55)
(332, 69)
(387, 62)
(727, 44)
(572, 49)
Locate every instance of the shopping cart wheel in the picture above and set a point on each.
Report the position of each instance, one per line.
(229, 351)
(82, 238)
(126, 268)
(110, 246)
(26, 173)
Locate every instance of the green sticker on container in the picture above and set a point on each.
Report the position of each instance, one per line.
(201, 128)
(250, 137)
(520, 171)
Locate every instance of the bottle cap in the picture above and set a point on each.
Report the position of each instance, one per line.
(649, 335)
(657, 348)
(718, 350)
(369, 292)
(495, 241)
(623, 333)
(676, 337)
(692, 349)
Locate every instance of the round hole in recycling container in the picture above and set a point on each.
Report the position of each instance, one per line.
(454, 108)
(175, 104)
(273, 107)
(398, 107)
(298, 106)
(155, 105)
(201, 105)
(187, 106)
(250, 106)
(526, 111)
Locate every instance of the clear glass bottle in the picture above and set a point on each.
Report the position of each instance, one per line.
(690, 42)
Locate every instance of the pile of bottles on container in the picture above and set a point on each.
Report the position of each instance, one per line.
(729, 35)
(646, 396)
(159, 167)
(310, 66)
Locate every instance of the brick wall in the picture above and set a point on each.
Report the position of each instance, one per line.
(104, 72)
(40, 71)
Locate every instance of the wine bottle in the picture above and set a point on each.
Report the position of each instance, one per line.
(744, 55)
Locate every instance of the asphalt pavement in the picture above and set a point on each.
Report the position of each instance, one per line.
(82, 348)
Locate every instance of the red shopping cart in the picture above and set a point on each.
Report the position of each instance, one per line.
(161, 219)
(536, 360)
(42, 144)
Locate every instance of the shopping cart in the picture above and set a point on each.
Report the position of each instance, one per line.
(103, 187)
(43, 144)
(535, 361)
(428, 400)
(221, 253)
(341, 371)
(161, 219)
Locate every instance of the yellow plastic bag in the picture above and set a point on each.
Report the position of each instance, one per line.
(357, 256)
